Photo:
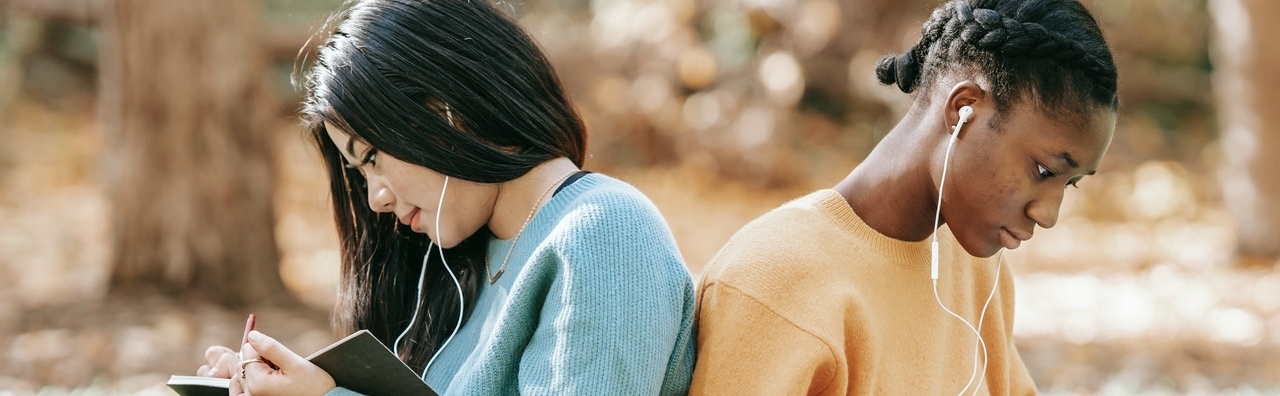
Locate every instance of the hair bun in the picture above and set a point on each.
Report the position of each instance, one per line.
(902, 70)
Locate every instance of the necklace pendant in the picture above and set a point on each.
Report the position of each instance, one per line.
(503, 268)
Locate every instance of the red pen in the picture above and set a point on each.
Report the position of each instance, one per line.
(248, 326)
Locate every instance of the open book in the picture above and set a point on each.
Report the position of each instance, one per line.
(358, 362)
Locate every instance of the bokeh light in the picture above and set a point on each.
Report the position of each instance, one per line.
(719, 110)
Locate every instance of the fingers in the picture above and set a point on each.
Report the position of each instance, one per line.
(226, 366)
(251, 366)
(293, 374)
(215, 352)
(219, 361)
(236, 387)
(270, 350)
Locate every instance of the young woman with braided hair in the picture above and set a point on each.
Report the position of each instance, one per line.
(882, 284)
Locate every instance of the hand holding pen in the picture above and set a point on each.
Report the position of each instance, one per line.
(223, 361)
(281, 370)
(244, 342)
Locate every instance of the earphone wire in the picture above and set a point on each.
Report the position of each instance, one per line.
(458, 286)
(982, 316)
(933, 261)
(395, 348)
(975, 333)
(421, 275)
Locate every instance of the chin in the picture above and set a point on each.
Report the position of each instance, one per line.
(446, 243)
(449, 244)
(452, 237)
(980, 248)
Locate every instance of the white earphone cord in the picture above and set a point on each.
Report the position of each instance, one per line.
(978, 336)
(964, 116)
(456, 284)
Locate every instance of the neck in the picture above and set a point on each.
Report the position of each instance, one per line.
(893, 190)
(520, 197)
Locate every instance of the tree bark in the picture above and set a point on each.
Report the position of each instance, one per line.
(186, 160)
(1245, 60)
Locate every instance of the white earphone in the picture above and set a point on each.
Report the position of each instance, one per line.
(965, 113)
(421, 275)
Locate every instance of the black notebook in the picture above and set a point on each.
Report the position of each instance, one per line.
(358, 362)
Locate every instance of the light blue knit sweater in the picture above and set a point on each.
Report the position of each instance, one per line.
(595, 300)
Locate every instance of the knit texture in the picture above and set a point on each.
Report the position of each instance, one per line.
(808, 299)
(595, 300)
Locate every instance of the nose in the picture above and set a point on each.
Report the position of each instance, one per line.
(381, 200)
(1044, 209)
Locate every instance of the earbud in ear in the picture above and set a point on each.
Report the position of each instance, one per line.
(965, 112)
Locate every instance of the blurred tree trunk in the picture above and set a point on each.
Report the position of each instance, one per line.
(186, 156)
(14, 35)
(1246, 59)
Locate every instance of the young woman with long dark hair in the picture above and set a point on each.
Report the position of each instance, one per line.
(889, 283)
(472, 242)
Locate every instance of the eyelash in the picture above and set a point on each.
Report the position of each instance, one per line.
(1045, 174)
(369, 158)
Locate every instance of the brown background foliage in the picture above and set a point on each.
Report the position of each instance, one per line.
(719, 110)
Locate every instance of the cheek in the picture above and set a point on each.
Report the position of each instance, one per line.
(467, 209)
(455, 225)
(417, 186)
(986, 193)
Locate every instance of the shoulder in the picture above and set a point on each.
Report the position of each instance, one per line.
(600, 207)
(607, 222)
(776, 246)
(598, 194)
(791, 263)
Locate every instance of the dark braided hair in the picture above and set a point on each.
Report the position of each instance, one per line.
(1050, 50)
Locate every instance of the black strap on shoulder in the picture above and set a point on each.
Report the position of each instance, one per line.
(569, 180)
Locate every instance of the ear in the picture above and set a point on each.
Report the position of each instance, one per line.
(966, 93)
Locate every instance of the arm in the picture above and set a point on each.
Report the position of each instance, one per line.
(617, 318)
(745, 348)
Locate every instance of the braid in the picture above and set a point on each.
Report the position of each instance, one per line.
(989, 31)
(1049, 47)
(904, 69)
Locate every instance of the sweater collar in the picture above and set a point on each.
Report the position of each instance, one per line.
(912, 254)
(541, 225)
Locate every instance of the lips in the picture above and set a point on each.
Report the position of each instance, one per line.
(410, 219)
(1011, 240)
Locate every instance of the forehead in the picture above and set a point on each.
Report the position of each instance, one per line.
(343, 140)
(1085, 137)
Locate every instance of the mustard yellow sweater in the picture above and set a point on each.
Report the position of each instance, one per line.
(810, 300)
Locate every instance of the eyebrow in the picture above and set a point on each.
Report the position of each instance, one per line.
(351, 149)
(1072, 162)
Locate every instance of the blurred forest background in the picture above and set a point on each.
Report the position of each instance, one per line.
(155, 186)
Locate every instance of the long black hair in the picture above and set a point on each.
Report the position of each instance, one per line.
(386, 74)
(1047, 50)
